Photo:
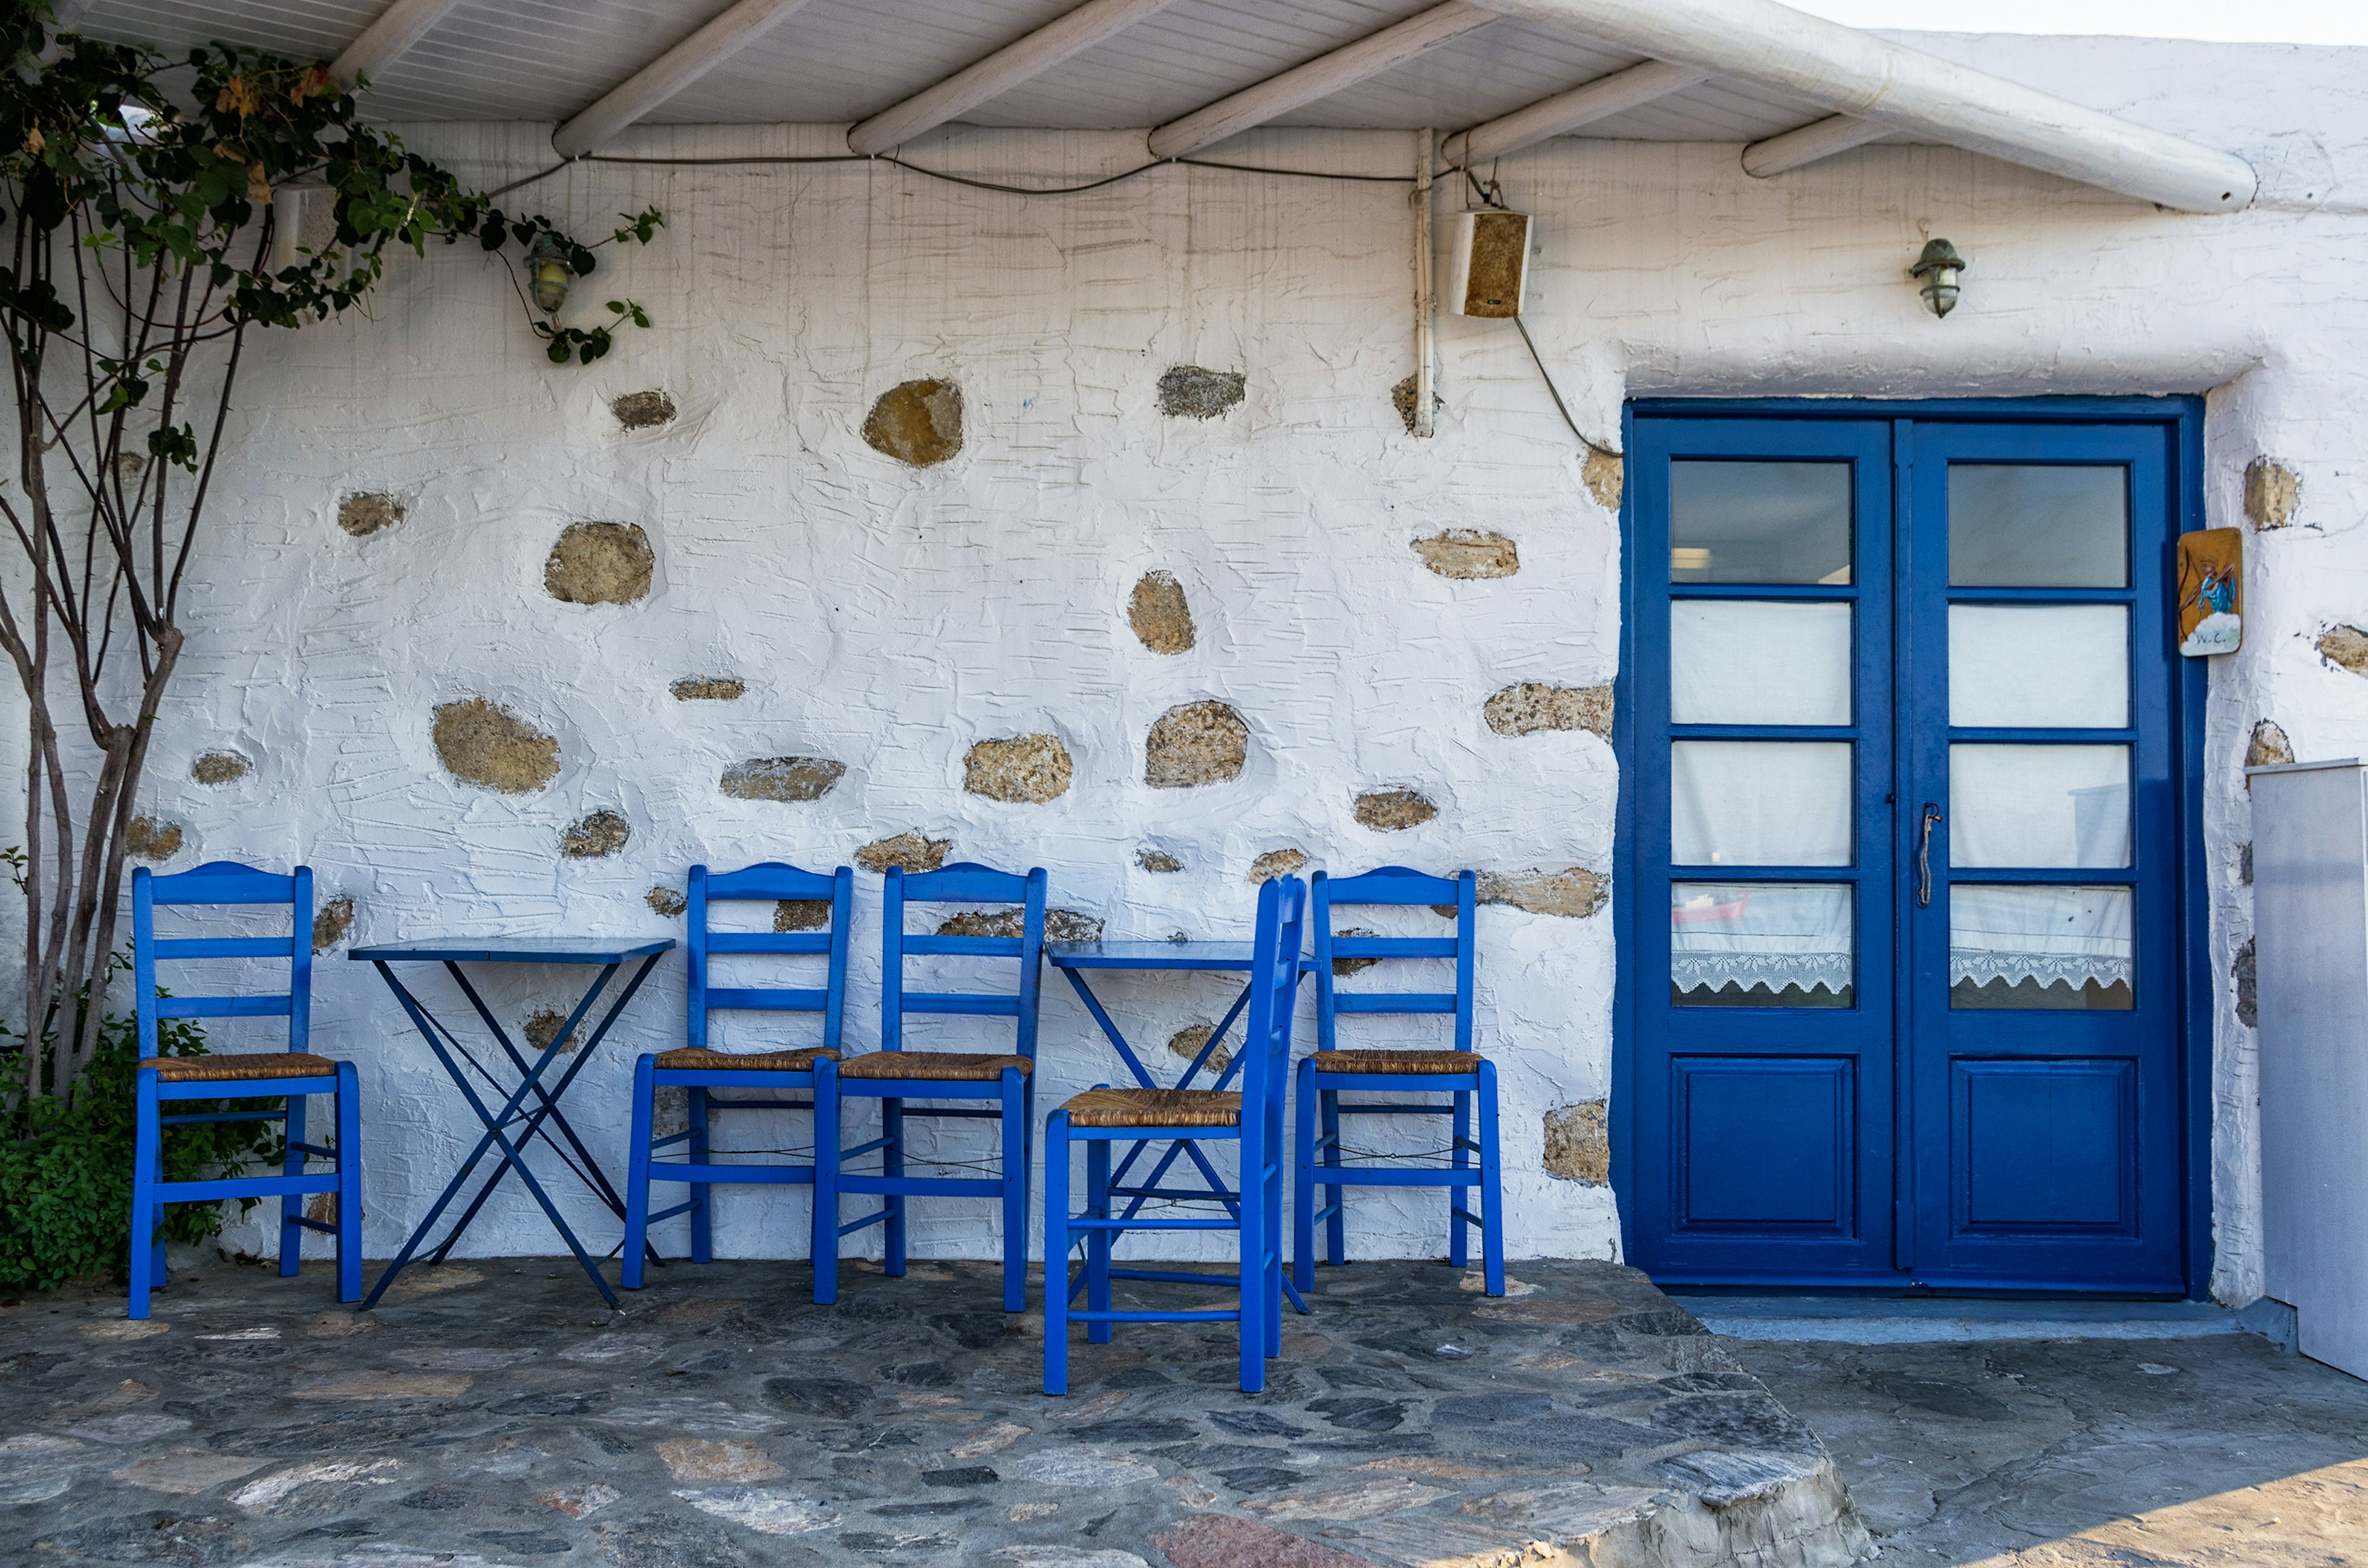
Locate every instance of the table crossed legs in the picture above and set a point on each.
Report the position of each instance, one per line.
(1150, 1187)
(451, 1052)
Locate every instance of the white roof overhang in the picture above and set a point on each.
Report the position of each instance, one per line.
(1496, 75)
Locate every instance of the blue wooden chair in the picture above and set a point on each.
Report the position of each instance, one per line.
(287, 1075)
(1252, 1116)
(1460, 1073)
(777, 1075)
(894, 1076)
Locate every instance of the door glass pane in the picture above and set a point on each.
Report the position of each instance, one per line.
(1759, 522)
(1757, 662)
(2039, 806)
(2039, 667)
(1759, 804)
(2027, 526)
(1760, 945)
(2040, 946)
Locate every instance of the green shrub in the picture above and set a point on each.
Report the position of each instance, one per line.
(65, 1163)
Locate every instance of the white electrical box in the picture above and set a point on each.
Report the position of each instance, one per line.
(2310, 939)
(1487, 262)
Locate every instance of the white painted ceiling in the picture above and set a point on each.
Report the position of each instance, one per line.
(839, 60)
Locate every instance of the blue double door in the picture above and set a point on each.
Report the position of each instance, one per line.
(1904, 941)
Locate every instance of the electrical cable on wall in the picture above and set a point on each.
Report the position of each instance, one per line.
(1492, 195)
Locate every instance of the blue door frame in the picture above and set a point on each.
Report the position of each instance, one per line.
(2179, 933)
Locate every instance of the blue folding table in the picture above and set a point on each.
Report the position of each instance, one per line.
(611, 955)
(1076, 960)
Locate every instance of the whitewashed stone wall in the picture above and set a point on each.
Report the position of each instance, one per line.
(887, 619)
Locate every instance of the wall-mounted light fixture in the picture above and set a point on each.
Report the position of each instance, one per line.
(1937, 270)
(549, 273)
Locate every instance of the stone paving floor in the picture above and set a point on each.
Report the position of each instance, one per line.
(494, 1413)
(2213, 1453)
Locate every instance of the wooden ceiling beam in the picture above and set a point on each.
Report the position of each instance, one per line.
(1317, 78)
(670, 73)
(1006, 68)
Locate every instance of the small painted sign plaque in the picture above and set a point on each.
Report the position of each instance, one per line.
(2210, 592)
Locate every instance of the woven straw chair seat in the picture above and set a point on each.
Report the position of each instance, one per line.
(941, 1066)
(237, 1067)
(698, 1059)
(1155, 1108)
(1403, 1064)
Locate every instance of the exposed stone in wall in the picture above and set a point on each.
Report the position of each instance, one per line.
(221, 767)
(2247, 993)
(151, 839)
(1022, 769)
(599, 563)
(486, 744)
(2245, 864)
(1187, 1043)
(801, 915)
(642, 410)
(1157, 860)
(2272, 492)
(1158, 612)
(914, 851)
(1394, 811)
(1578, 1143)
(596, 836)
(1468, 553)
(709, 688)
(1532, 706)
(1343, 967)
(1060, 924)
(1603, 475)
(790, 778)
(331, 923)
(2269, 747)
(917, 422)
(1402, 399)
(1576, 892)
(543, 1027)
(362, 516)
(1188, 392)
(668, 901)
(1197, 743)
(1276, 863)
(2345, 647)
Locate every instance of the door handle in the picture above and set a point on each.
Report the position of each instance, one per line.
(1932, 818)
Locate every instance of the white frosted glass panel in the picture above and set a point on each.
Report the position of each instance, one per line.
(1756, 662)
(1776, 935)
(2039, 667)
(1759, 804)
(2075, 938)
(2039, 806)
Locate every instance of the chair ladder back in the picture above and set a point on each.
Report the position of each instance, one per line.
(768, 882)
(1274, 994)
(1394, 885)
(962, 883)
(219, 883)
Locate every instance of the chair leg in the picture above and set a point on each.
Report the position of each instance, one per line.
(1097, 1242)
(1056, 1254)
(892, 1166)
(349, 1183)
(144, 1165)
(702, 1211)
(1253, 1272)
(826, 1187)
(1015, 1192)
(637, 1173)
(292, 1204)
(1492, 1185)
(1335, 1226)
(1302, 1194)
(1460, 1157)
(1271, 1289)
